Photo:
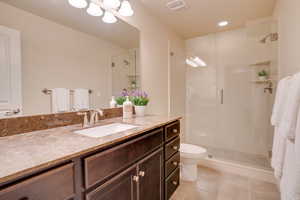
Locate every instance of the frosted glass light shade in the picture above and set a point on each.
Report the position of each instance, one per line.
(111, 3)
(78, 3)
(94, 10)
(109, 18)
(126, 9)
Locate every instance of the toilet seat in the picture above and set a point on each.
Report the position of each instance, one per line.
(192, 151)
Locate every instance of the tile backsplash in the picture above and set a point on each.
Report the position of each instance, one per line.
(24, 124)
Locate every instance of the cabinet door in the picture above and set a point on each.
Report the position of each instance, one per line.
(121, 187)
(151, 177)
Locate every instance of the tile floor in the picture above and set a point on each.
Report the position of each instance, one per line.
(215, 185)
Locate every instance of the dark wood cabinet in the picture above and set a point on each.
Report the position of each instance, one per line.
(142, 181)
(145, 167)
(121, 187)
(151, 177)
(119, 157)
(57, 184)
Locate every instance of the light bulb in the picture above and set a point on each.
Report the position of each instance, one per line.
(78, 3)
(126, 9)
(109, 18)
(111, 3)
(94, 10)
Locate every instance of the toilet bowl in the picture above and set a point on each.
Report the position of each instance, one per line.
(190, 156)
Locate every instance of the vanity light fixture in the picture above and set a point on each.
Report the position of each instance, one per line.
(78, 3)
(94, 10)
(110, 7)
(223, 23)
(126, 9)
(109, 18)
(113, 4)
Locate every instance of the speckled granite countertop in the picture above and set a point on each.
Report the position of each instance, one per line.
(25, 153)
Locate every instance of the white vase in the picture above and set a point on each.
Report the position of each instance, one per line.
(140, 111)
(262, 78)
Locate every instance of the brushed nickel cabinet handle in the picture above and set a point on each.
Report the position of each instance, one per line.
(175, 163)
(175, 130)
(136, 179)
(142, 173)
(175, 183)
(175, 148)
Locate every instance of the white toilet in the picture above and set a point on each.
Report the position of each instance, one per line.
(190, 156)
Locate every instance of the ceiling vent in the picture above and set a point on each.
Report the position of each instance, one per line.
(176, 5)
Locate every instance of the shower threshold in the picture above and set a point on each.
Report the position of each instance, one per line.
(250, 160)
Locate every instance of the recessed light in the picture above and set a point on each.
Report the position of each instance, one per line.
(223, 23)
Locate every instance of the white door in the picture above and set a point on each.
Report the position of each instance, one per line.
(10, 72)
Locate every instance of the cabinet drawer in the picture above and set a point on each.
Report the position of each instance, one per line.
(172, 130)
(104, 164)
(172, 164)
(57, 184)
(172, 148)
(171, 183)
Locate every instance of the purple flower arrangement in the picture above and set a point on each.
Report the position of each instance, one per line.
(137, 97)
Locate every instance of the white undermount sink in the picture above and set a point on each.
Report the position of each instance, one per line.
(105, 130)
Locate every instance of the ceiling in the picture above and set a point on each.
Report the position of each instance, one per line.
(120, 33)
(201, 16)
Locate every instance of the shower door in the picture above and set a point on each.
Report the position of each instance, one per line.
(226, 111)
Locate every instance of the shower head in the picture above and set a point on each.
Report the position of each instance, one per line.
(272, 37)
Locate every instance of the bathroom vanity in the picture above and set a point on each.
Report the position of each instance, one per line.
(141, 163)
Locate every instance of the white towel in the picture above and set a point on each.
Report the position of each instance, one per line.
(288, 126)
(280, 100)
(279, 142)
(290, 182)
(60, 100)
(81, 99)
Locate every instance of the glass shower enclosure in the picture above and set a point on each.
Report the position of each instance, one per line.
(228, 107)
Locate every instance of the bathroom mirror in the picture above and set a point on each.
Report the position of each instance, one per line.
(50, 44)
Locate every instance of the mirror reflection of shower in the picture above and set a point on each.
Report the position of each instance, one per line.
(125, 72)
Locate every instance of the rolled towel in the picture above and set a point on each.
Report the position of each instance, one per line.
(81, 99)
(60, 100)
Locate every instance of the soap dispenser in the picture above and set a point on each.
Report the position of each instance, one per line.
(127, 109)
(113, 103)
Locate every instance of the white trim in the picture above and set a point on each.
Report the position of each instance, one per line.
(251, 172)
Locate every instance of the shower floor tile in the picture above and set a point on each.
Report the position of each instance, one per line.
(216, 185)
(257, 161)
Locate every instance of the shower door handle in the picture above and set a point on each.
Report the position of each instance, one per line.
(222, 96)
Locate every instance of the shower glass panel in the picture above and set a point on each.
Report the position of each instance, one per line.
(228, 111)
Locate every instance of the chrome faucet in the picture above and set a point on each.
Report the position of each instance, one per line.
(94, 118)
